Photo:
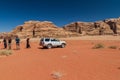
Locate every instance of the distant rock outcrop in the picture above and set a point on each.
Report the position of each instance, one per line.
(48, 29)
(108, 26)
(114, 24)
(41, 29)
(80, 27)
(6, 35)
(2, 35)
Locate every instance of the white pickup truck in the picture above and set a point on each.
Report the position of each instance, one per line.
(52, 42)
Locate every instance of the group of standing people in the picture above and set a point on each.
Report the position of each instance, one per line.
(7, 42)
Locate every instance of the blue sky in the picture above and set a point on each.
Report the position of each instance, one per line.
(60, 12)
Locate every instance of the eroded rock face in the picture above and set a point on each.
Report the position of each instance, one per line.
(2, 35)
(48, 29)
(80, 27)
(108, 26)
(103, 28)
(41, 29)
(7, 35)
(114, 24)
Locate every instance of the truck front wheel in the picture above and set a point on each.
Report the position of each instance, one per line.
(62, 45)
(49, 46)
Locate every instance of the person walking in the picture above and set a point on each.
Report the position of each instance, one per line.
(5, 43)
(17, 39)
(28, 43)
(9, 42)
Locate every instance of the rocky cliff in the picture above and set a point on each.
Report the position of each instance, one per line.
(41, 29)
(48, 29)
(108, 26)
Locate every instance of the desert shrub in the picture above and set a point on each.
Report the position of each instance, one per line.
(5, 52)
(98, 46)
(112, 47)
(57, 75)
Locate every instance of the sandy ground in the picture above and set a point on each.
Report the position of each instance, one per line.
(77, 61)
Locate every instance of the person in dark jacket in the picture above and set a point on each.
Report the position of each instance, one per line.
(5, 43)
(28, 43)
(17, 39)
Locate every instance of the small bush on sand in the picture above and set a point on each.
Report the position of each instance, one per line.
(5, 52)
(57, 75)
(112, 47)
(98, 46)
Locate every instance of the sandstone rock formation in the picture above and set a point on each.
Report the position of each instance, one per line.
(108, 26)
(6, 35)
(114, 24)
(48, 29)
(41, 29)
(2, 35)
(80, 27)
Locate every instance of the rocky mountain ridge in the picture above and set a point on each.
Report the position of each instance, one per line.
(48, 29)
(41, 29)
(105, 27)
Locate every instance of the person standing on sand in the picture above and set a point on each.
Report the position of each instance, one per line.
(9, 42)
(17, 42)
(28, 43)
(5, 43)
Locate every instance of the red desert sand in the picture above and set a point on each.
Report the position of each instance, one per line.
(77, 61)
